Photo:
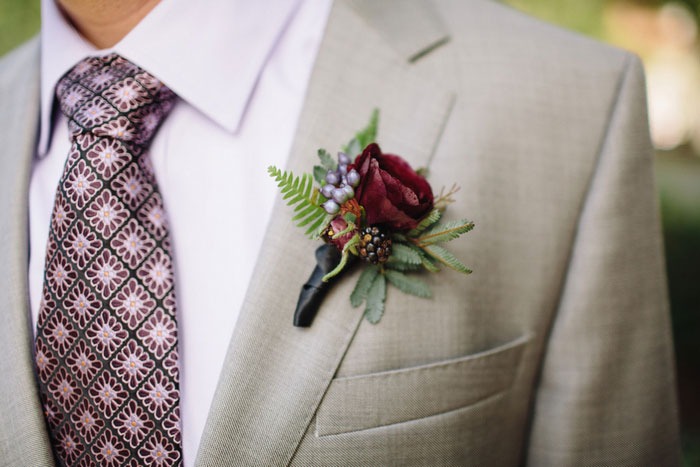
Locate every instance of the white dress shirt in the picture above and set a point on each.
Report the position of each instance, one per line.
(240, 69)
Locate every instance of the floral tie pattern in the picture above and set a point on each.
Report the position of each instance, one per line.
(106, 341)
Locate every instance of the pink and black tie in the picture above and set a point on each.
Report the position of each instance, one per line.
(106, 340)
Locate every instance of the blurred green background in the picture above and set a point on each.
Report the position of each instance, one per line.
(665, 34)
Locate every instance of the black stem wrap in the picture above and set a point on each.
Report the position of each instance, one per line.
(314, 291)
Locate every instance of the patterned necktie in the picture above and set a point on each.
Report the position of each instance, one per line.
(106, 341)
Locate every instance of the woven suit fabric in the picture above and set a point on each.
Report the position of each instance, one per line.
(106, 339)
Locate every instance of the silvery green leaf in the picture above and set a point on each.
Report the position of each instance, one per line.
(444, 232)
(402, 253)
(408, 284)
(394, 263)
(327, 160)
(446, 258)
(426, 222)
(363, 285)
(320, 174)
(375, 300)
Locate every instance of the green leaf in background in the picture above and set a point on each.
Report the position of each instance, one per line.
(408, 284)
(402, 253)
(363, 137)
(353, 148)
(423, 172)
(427, 221)
(444, 232)
(363, 285)
(446, 258)
(369, 134)
(327, 160)
(320, 174)
(375, 299)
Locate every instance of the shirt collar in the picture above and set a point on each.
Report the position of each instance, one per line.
(209, 56)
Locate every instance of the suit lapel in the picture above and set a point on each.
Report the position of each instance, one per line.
(275, 375)
(22, 431)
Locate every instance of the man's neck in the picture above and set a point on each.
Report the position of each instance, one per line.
(105, 22)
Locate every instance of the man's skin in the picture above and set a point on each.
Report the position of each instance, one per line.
(105, 22)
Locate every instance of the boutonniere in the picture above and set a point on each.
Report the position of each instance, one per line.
(373, 209)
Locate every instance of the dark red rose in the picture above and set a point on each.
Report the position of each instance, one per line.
(391, 192)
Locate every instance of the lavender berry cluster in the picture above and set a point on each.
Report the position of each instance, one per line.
(340, 185)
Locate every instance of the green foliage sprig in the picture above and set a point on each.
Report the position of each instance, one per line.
(411, 251)
(300, 193)
(363, 137)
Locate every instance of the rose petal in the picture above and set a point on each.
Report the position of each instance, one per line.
(391, 192)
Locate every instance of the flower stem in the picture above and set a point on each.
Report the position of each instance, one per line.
(347, 229)
(344, 259)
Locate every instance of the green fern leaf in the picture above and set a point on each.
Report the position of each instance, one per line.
(446, 258)
(304, 212)
(315, 214)
(408, 284)
(309, 186)
(314, 198)
(363, 285)
(319, 225)
(299, 193)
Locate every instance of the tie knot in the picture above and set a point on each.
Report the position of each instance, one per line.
(110, 96)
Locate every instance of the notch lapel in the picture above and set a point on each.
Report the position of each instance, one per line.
(23, 438)
(274, 374)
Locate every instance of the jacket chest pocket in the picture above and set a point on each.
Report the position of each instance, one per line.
(356, 403)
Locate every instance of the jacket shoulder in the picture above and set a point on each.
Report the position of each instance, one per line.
(19, 64)
(485, 28)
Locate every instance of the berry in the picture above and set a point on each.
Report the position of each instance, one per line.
(343, 158)
(331, 206)
(350, 193)
(332, 178)
(327, 191)
(342, 169)
(375, 245)
(340, 195)
(353, 178)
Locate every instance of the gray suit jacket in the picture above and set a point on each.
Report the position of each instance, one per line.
(556, 351)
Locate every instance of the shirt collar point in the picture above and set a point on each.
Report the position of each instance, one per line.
(230, 119)
(227, 111)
